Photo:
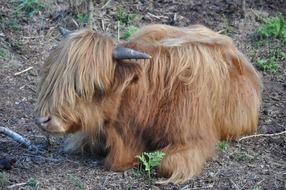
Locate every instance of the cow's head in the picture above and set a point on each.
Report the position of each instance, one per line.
(79, 81)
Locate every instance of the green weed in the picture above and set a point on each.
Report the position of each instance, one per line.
(274, 27)
(14, 24)
(3, 53)
(32, 182)
(268, 65)
(123, 17)
(76, 181)
(130, 31)
(248, 156)
(279, 55)
(256, 188)
(82, 19)
(3, 179)
(223, 145)
(227, 29)
(9, 23)
(150, 160)
(29, 7)
(271, 64)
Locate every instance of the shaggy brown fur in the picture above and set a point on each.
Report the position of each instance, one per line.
(196, 90)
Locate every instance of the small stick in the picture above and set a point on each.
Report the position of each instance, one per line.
(175, 17)
(75, 23)
(102, 25)
(16, 185)
(257, 15)
(25, 70)
(42, 157)
(15, 136)
(243, 7)
(221, 31)
(118, 30)
(157, 17)
(262, 135)
(235, 186)
(196, 188)
(105, 4)
(90, 12)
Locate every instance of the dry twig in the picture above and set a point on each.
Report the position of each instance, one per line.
(16, 185)
(243, 7)
(221, 31)
(118, 30)
(187, 187)
(157, 17)
(25, 70)
(262, 135)
(75, 23)
(235, 186)
(106, 4)
(90, 13)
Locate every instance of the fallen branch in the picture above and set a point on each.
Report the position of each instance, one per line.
(118, 30)
(25, 70)
(197, 188)
(243, 7)
(262, 135)
(17, 137)
(16, 185)
(157, 16)
(235, 186)
(75, 23)
(90, 13)
(106, 4)
(221, 31)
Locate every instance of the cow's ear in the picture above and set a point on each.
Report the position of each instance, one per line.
(126, 73)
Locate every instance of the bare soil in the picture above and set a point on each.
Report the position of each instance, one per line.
(253, 163)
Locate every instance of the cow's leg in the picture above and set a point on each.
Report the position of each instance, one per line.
(185, 161)
(121, 156)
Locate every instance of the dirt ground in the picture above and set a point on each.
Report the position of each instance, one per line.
(254, 163)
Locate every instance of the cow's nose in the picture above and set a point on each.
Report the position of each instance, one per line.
(42, 120)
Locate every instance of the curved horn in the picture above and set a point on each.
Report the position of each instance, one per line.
(65, 32)
(127, 53)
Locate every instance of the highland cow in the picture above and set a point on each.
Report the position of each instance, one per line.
(175, 89)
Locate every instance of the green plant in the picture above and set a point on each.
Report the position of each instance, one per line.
(273, 27)
(268, 65)
(227, 29)
(14, 24)
(130, 31)
(279, 54)
(76, 181)
(256, 188)
(9, 22)
(29, 7)
(223, 145)
(150, 160)
(3, 53)
(3, 179)
(245, 156)
(123, 17)
(32, 182)
(82, 19)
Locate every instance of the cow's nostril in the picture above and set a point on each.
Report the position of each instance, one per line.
(46, 119)
(42, 120)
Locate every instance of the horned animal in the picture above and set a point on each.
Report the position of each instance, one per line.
(179, 90)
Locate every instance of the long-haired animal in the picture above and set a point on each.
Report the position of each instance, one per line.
(178, 90)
